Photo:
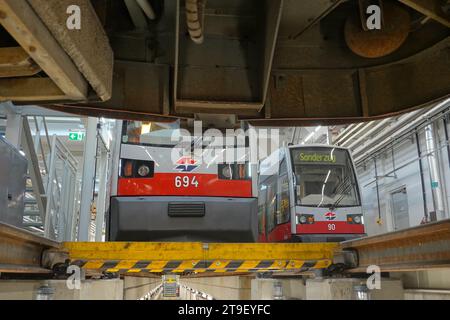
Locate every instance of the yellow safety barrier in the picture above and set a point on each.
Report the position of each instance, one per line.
(196, 257)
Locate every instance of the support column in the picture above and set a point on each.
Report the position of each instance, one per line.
(435, 175)
(101, 197)
(87, 187)
(14, 128)
(37, 134)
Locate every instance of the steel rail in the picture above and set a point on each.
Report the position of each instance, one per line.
(418, 248)
(23, 252)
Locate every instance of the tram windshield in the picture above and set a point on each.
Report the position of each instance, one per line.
(177, 134)
(151, 133)
(325, 177)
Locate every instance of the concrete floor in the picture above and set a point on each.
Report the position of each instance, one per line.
(129, 288)
(236, 288)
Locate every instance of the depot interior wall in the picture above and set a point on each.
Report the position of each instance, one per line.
(429, 294)
(408, 177)
(222, 288)
(426, 284)
(436, 279)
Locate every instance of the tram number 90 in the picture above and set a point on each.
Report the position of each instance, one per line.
(331, 227)
(186, 182)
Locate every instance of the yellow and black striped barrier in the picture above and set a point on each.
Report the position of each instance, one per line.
(195, 257)
(222, 266)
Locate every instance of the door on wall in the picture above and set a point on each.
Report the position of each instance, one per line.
(400, 215)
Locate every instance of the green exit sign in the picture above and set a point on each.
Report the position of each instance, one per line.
(76, 136)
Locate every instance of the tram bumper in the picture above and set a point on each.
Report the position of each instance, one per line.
(205, 219)
(327, 237)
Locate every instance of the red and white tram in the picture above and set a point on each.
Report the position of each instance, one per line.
(161, 197)
(309, 194)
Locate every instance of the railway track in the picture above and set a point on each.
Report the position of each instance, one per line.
(418, 248)
(23, 252)
(423, 247)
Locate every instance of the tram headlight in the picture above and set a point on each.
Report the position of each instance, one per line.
(143, 170)
(234, 171)
(305, 219)
(354, 219)
(131, 168)
(226, 172)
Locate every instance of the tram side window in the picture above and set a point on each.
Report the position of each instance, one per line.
(283, 212)
(271, 203)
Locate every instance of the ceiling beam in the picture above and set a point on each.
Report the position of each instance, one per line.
(88, 47)
(136, 14)
(15, 62)
(430, 8)
(21, 21)
(29, 89)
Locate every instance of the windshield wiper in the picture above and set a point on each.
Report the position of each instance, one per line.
(344, 185)
(336, 190)
(335, 204)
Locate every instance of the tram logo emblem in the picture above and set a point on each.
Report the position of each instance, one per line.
(330, 215)
(186, 164)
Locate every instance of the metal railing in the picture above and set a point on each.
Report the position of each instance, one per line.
(62, 190)
(52, 193)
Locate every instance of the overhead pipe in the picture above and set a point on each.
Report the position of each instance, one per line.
(387, 135)
(366, 134)
(394, 134)
(195, 16)
(136, 14)
(348, 132)
(405, 164)
(343, 133)
(355, 134)
(147, 8)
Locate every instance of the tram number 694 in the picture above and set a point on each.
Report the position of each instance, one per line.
(186, 182)
(331, 227)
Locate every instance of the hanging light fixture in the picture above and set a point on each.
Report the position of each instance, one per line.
(361, 292)
(45, 292)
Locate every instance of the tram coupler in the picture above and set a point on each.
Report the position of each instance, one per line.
(343, 260)
(55, 260)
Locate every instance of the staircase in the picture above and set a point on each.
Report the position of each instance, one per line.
(32, 220)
